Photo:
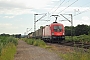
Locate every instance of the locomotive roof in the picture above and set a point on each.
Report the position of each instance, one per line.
(56, 23)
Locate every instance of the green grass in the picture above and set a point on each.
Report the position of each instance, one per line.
(36, 42)
(75, 55)
(84, 38)
(8, 52)
(7, 47)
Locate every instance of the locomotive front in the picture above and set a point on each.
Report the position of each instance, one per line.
(57, 31)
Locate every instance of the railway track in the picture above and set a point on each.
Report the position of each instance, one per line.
(76, 44)
(73, 44)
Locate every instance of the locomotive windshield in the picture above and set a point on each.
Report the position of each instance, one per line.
(57, 28)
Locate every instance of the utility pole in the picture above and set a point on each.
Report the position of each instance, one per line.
(37, 21)
(71, 21)
(71, 26)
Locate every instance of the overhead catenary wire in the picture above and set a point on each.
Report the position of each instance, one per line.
(65, 8)
(72, 4)
(80, 6)
(82, 12)
(59, 5)
(46, 14)
(53, 7)
(69, 6)
(78, 12)
(41, 17)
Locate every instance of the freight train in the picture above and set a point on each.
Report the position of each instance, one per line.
(54, 32)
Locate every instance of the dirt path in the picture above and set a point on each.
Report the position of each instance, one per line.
(30, 52)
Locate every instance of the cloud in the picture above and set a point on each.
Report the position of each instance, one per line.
(5, 25)
(7, 28)
(10, 4)
(14, 8)
(86, 18)
(16, 11)
(18, 7)
(34, 3)
(8, 16)
(24, 3)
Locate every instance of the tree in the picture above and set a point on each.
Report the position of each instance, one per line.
(68, 30)
(81, 29)
(89, 29)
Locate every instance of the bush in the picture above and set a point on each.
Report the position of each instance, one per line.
(36, 42)
(84, 38)
(40, 43)
(13, 40)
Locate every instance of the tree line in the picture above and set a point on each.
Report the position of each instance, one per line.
(14, 35)
(77, 30)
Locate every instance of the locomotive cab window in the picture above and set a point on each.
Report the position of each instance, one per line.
(57, 28)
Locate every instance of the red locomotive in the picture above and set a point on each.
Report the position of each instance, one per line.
(54, 32)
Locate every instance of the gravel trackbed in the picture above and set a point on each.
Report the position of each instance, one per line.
(30, 52)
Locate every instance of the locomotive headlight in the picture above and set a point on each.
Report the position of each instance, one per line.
(63, 33)
(52, 33)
